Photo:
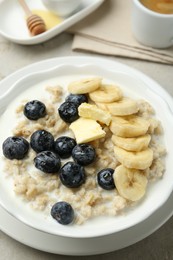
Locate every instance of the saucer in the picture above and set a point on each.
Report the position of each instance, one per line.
(13, 25)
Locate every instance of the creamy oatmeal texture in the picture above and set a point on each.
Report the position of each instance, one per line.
(42, 190)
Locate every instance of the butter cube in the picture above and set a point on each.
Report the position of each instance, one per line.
(86, 130)
(93, 112)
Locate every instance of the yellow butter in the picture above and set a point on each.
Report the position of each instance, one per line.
(93, 112)
(86, 130)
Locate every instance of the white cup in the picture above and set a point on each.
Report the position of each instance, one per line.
(151, 28)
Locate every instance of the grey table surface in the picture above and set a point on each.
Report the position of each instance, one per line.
(157, 246)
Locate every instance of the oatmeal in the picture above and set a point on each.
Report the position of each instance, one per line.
(120, 140)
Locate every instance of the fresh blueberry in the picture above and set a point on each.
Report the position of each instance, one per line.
(68, 111)
(34, 110)
(83, 154)
(15, 147)
(76, 98)
(47, 162)
(42, 140)
(64, 146)
(105, 179)
(72, 175)
(62, 212)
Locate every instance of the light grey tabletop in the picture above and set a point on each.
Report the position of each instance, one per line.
(157, 246)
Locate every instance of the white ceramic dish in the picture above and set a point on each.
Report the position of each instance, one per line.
(57, 244)
(63, 8)
(13, 25)
(132, 81)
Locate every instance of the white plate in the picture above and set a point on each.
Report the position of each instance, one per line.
(13, 25)
(131, 81)
(57, 244)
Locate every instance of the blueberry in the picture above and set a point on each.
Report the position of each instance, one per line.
(77, 99)
(83, 154)
(15, 148)
(34, 110)
(42, 140)
(72, 175)
(62, 212)
(68, 111)
(105, 179)
(64, 146)
(47, 162)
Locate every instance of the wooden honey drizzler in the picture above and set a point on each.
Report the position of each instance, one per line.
(35, 23)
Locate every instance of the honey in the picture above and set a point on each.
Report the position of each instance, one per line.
(50, 19)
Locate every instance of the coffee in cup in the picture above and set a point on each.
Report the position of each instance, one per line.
(159, 6)
(152, 22)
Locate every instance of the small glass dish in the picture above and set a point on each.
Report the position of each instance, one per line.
(62, 8)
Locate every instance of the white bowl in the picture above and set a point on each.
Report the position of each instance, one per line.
(132, 82)
(63, 8)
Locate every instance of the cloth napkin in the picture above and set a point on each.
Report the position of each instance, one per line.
(108, 31)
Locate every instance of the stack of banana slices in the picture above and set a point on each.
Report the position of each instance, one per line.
(130, 133)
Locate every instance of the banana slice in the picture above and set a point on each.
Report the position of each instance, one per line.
(84, 86)
(93, 112)
(134, 144)
(134, 160)
(129, 126)
(102, 106)
(106, 94)
(130, 183)
(123, 107)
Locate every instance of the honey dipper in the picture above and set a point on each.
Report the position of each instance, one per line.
(35, 23)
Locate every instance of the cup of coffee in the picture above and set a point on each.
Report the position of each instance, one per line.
(152, 22)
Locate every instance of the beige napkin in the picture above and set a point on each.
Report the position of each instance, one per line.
(108, 31)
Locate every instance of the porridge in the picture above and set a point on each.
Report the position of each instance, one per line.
(83, 154)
